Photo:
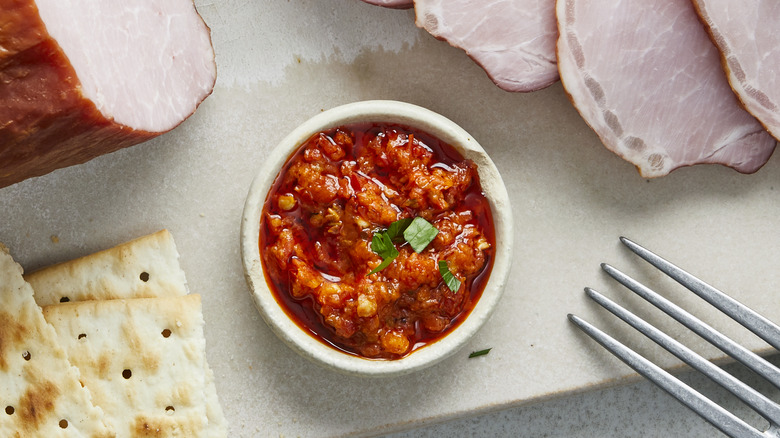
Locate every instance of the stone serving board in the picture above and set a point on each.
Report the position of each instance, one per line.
(279, 63)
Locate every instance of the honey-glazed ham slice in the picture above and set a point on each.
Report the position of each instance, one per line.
(513, 41)
(81, 78)
(650, 85)
(745, 32)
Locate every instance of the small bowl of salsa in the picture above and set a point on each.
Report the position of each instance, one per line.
(377, 238)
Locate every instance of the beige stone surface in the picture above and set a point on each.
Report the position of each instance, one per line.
(281, 62)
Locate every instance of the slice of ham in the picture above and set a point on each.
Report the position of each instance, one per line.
(394, 4)
(650, 85)
(746, 35)
(513, 41)
(80, 78)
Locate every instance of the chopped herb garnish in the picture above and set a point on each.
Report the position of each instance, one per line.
(383, 245)
(419, 234)
(452, 282)
(480, 353)
(397, 228)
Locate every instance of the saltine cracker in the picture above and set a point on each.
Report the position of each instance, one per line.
(144, 267)
(40, 391)
(141, 268)
(142, 360)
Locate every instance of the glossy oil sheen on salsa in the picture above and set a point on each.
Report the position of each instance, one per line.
(333, 194)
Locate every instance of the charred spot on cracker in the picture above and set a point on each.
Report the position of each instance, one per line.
(170, 410)
(26, 355)
(9, 410)
(38, 402)
(64, 423)
(144, 276)
(11, 333)
(127, 373)
(64, 299)
(166, 333)
(82, 335)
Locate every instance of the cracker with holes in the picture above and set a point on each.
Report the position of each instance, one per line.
(142, 360)
(142, 268)
(40, 393)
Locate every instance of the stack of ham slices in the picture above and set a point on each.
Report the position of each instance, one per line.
(664, 84)
(80, 78)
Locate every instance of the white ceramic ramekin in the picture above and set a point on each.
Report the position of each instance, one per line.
(414, 117)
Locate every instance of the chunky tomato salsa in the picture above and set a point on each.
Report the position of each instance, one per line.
(377, 239)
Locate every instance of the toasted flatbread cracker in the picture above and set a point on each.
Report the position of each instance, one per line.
(142, 268)
(40, 391)
(217, 427)
(142, 359)
(115, 274)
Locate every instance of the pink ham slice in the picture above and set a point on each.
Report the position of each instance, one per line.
(746, 34)
(394, 4)
(650, 86)
(513, 41)
(80, 78)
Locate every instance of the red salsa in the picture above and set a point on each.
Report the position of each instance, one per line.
(333, 195)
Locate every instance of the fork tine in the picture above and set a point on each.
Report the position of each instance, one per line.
(762, 327)
(733, 349)
(753, 398)
(706, 408)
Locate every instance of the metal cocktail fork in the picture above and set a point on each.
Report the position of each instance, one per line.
(707, 409)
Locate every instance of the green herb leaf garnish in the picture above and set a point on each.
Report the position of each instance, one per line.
(480, 353)
(383, 245)
(419, 234)
(452, 282)
(397, 228)
(385, 263)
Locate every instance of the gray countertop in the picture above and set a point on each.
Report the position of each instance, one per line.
(639, 410)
